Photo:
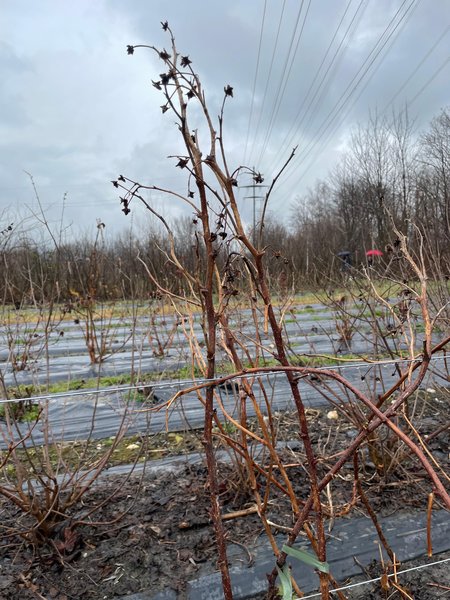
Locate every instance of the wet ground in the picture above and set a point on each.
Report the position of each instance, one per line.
(33, 354)
(152, 532)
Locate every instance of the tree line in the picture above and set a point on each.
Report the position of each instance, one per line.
(390, 177)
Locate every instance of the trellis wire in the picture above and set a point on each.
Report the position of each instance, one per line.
(158, 385)
(353, 585)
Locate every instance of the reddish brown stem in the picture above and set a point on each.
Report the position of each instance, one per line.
(429, 512)
(370, 511)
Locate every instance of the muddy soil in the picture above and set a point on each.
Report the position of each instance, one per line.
(428, 583)
(153, 531)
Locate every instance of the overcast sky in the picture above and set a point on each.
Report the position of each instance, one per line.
(76, 110)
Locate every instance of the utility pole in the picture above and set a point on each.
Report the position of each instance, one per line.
(254, 197)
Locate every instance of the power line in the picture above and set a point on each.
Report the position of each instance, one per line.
(408, 104)
(268, 79)
(279, 87)
(363, 70)
(435, 74)
(292, 133)
(338, 55)
(254, 81)
(421, 62)
(333, 128)
(275, 114)
(348, 93)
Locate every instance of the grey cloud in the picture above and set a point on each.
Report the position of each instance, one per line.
(10, 61)
(81, 112)
(12, 111)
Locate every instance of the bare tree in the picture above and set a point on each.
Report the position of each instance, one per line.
(435, 157)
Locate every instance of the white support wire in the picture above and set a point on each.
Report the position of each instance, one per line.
(160, 385)
(353, 585)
